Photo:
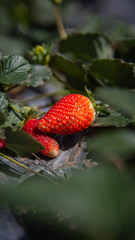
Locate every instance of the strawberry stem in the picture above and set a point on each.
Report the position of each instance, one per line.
(14, 108)
(59, 22)
(8, 88)
(22, 165)
(47, 167)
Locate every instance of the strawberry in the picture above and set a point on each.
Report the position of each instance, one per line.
(50, 144)
(70, 115)
(2, 143)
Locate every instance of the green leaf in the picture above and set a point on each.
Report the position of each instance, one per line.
(122, 99)
(2, 132)
(118, 142)
(2, 118)
(14, 69)
(99, 203)
(13, 119)
(3, 102)
(114, 119)
(38, 75)
(87, 47)
(126, 49)
(3, 107)
(114, 72)
(75, 71)
(21, 143)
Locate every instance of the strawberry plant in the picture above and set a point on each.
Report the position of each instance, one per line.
(67, 118)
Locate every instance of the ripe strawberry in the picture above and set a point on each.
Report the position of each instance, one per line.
(70, 115)
(2, 143)
(50, 144)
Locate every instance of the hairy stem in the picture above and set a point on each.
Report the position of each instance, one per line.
(47, 167)
(59, 22)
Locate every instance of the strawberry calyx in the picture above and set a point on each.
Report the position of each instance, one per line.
(28, 113)
(97, 105)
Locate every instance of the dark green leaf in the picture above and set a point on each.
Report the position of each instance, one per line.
(13, 118)
(21, 143)
(114, 119)
(126, 49)
(3, 107)
(75, 71)
(38, 75)
(87, 47)
(2, 132)
(121, 99)
(113, 72)
(14, 69)
(3, 101)
(99, 203)
(119, 142)
(2, 118)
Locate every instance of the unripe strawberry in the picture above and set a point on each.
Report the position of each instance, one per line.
(72, 114)
(51, 146)
(2, 143)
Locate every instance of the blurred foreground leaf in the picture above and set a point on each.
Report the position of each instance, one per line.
(122, 99)
(98, 203)
(112, 144)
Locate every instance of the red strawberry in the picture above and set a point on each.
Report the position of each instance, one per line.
(2, 143)
(70, 115)
(50, 144)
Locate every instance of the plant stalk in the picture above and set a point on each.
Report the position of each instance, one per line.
(59, 22)
(47, 167)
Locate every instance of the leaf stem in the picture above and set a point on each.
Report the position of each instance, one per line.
(8, 88)
(14, 108)
(22, 165)
(47, 167)
(16, 111)
(59, 22)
